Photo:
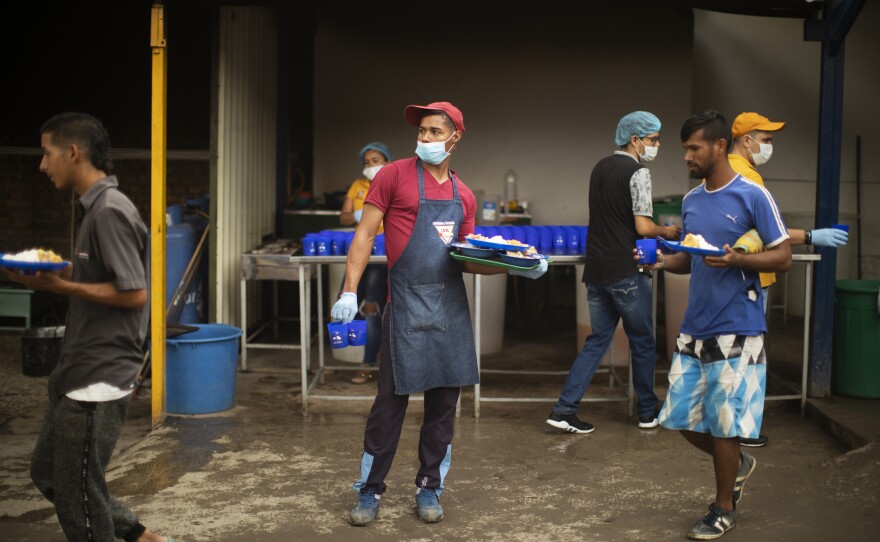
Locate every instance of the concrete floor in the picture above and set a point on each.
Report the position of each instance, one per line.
(262, 471)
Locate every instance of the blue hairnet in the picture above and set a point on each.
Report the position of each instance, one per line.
(377, 146)
(637, 123)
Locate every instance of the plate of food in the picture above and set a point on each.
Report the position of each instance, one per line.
(492, 262)
(526, 259)
(470, 250)
(497, 242)
(36, 259)
(693, 244)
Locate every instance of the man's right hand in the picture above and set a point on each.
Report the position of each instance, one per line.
(346, 308)
(672, 232)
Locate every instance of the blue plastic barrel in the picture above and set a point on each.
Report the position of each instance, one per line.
(201, 368)
(180, 242)
(200, 280)
(174, 214)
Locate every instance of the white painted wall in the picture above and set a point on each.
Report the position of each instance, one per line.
(541, 89)
(762, 64)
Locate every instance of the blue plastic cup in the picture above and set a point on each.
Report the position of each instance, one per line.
(572, 240)
(337, 244)
(357, 333)
(309, 246)
(323, 246)
(582, 239)
(338, 334)
(379, 245)
(533, 236)
(558, 236)
(843, 227)
(546, 240)
(647, 251)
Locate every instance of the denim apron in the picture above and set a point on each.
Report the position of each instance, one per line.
(432, 342)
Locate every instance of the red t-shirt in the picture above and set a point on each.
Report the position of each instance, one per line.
(395, 191)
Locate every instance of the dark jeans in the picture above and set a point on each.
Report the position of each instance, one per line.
(75, 444)
(385, 423)
(629, 299)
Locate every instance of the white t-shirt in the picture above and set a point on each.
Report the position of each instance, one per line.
(98, 393)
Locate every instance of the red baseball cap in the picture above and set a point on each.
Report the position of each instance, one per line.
(413, 113)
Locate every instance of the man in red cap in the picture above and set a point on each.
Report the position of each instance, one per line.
(427, 344)
(752, 147)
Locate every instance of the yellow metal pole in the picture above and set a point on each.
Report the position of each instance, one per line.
(157, 210)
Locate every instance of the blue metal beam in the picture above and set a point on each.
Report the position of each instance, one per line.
(835, 24)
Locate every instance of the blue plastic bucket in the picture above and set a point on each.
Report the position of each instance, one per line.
(201, 368)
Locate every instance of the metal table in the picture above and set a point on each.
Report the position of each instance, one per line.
(307, 265)
(312, 266)
(808, 261)
(271, 262)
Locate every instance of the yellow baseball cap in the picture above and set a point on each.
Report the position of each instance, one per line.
(749, 122)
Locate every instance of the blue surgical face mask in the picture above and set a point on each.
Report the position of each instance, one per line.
(433, 153)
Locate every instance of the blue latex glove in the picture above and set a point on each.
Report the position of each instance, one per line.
(357, 215)
(531, 273)
(346, 308)
(830, 237)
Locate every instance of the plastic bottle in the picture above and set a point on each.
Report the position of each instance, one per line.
(510, 200)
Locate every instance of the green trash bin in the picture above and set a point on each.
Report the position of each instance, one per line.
(667, 210)
(856, 369)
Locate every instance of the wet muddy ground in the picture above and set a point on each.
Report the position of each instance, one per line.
(264, 472)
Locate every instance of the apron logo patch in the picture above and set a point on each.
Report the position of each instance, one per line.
(445, 229)
(82, 255)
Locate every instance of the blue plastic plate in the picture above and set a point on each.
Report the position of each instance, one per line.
(470, 250)
(521, 261)
(497, 246)
(32, 266)
(677, 247)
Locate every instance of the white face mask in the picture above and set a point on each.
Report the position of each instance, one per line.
(433, 153)
(370, 172)
(650, 152)
(765, 151)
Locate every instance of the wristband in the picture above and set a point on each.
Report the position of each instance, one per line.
(808, 237)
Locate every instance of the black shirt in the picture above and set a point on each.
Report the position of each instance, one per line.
(104, 343)
(612, 231)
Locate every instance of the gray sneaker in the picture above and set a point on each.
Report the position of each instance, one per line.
(365, 511)
(428, 504)
(745, 470)
(714, 524)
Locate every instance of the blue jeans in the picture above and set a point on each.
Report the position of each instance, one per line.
(629, 299)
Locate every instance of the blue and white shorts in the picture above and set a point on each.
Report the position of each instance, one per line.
(717, 386)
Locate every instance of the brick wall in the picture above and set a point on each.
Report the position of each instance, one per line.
(35, 214)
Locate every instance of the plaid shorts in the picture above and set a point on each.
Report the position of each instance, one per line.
(717, 386)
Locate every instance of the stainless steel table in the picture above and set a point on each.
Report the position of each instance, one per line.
(807, 260)
(270, 262)
(311, 266)
(558, 260)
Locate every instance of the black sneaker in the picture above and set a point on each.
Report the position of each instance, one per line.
(650, 422)
(570, 423)
(754, 442)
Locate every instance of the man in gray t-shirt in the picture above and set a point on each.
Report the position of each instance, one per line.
(90, 389)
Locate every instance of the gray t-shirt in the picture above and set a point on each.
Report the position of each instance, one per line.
(104, 343)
